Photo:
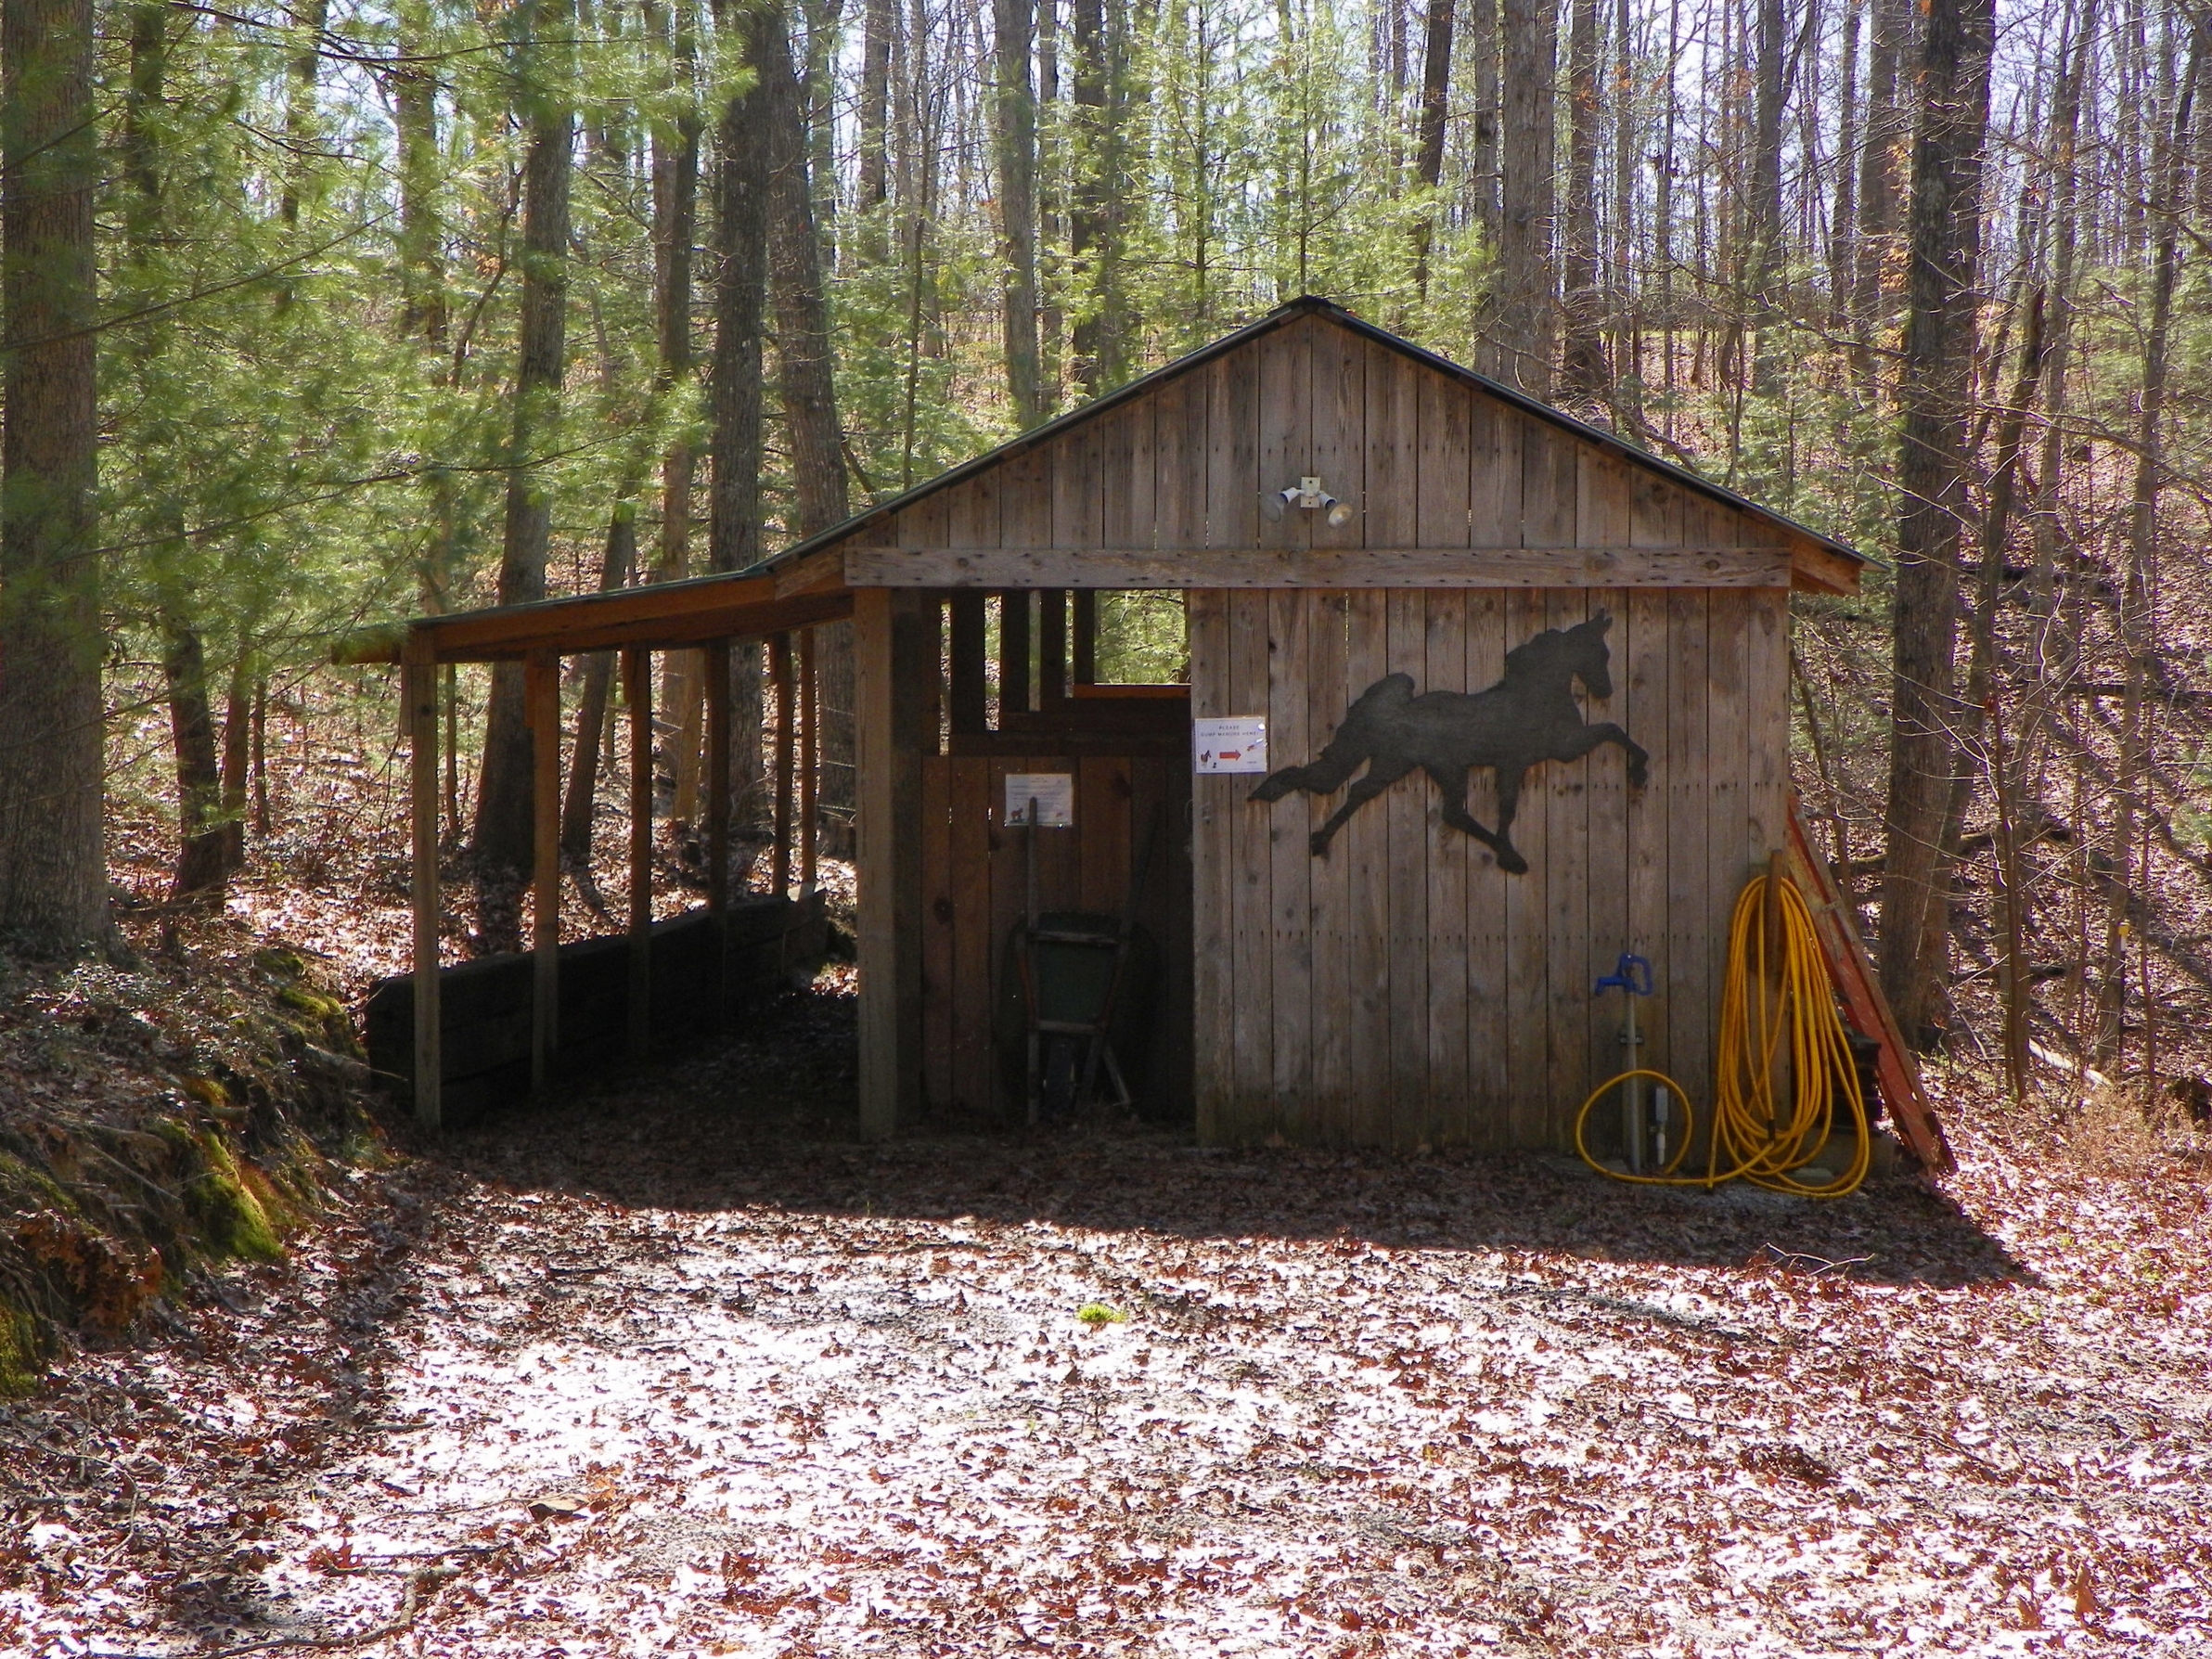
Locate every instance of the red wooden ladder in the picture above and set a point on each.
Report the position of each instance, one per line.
(1864, 1005)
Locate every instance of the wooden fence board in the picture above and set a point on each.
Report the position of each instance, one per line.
(939, 931)
(1285, 426)
(1408, 805)
(1291, 620)
(1449, 853)
(1221, 1115)
(1691, 1014)
(1528, 984)
(1565, 877)
(1364, 844)
(1329, 880)
(1606, 925)
(1488, 958)
(1647, 661)
(973, 995)
(1252, 940)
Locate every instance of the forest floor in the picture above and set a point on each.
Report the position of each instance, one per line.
(679, 1366)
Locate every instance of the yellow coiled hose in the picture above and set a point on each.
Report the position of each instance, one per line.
(1750, 1139)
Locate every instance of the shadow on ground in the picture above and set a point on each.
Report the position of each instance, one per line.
(766, 1118)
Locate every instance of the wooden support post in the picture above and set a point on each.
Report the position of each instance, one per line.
(1053, 647)
(419, 698)
(896, 638)
(714, 664)
(810, 761)
(541, 676)
(969, 664)
(638, 690)
(717, 659)
(1086, 635)
(779, 674)
(1014, 652)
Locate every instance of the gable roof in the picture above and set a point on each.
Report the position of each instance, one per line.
(1310, 305)
(772, 596)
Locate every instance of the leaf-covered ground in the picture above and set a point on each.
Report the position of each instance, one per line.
(679, 1367)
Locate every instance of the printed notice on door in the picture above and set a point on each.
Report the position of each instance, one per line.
(1231, 743)
(1054, 793)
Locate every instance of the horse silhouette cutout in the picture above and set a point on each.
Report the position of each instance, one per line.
(1527, 719)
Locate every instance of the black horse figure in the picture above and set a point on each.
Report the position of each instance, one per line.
(1526, 718)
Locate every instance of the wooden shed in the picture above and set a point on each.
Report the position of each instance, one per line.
(1335, 506)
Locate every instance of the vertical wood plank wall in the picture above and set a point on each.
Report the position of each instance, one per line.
(1405, 989)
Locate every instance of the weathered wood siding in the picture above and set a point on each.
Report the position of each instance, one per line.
(1427, 462)
(1405, 990)
(975, 884)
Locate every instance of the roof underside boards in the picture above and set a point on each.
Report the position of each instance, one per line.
(659, 616)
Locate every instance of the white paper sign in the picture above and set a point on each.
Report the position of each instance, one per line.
(1232, 743)
(1054, 793)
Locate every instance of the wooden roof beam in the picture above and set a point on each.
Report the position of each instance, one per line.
(660, 616)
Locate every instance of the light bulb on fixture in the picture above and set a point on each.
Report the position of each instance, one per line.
(1307, 494)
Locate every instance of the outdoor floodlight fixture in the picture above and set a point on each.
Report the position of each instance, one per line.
(1307, 494)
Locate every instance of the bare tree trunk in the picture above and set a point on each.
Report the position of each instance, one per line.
(415, 120)
(1663, 212)
(1428, 160)
(1765, 263)
(2066, 221)
(817, 98)
(1887, 122)
(1985, 703)
(676, 225)
(878, 20)
(1621, 320)
(299, 119)
(805, 363)
(804, 360)
(53, 866)
(1936, 389)
(503, 801)
(201, 864)
(742, 189)
(237, 758)
(1484, 121)
(1523, 325)
(1014, 124)
(2138, 617)
(578, 805)
(1842, 224)
(1052, 212)
(1097, 199)
(1583, 372)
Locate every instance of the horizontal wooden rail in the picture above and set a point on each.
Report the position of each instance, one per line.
(1316, 567)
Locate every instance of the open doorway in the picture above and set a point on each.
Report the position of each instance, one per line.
(1084, 695)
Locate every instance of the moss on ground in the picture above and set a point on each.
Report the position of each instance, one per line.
(22, 1354)
(154, 1122)
(232, 1222)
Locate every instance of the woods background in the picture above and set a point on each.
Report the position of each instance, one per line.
(321, 315)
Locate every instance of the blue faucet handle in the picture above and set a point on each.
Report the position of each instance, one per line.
(1631, 973)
